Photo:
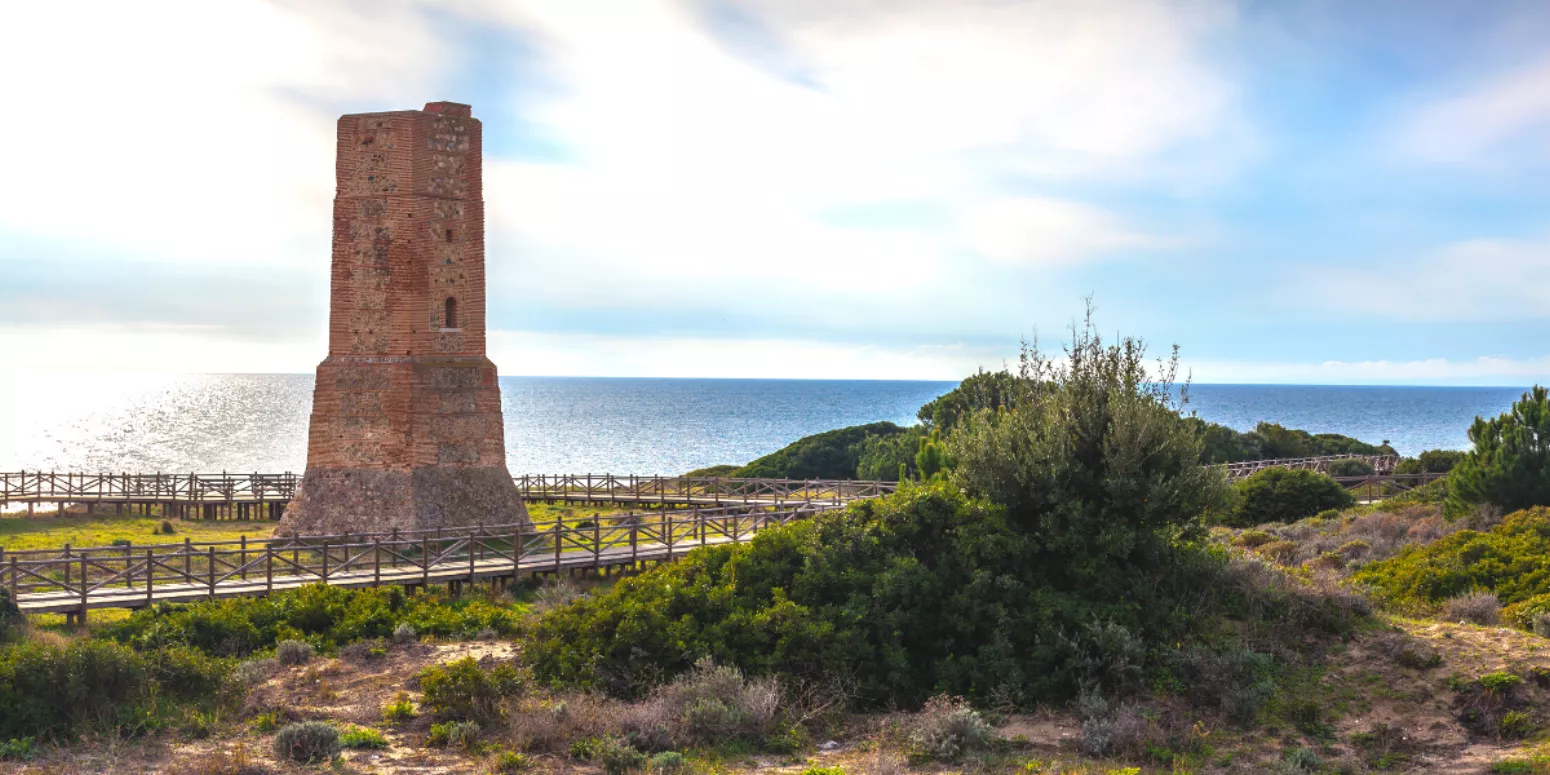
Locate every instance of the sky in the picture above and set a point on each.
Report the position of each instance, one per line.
(1310, 192)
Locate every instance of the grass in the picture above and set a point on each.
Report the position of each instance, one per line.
(103, 529)
(79, 530)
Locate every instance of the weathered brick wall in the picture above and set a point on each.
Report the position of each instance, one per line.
(403, 388)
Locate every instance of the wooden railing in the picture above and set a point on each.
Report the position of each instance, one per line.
(602, 488)
(1377, 487)
(190, 491)
(1381, 464)
(75, 579)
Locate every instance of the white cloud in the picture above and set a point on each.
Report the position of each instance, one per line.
(1494, 122)
(1473, 280)
(1484, 370)
(1044, 230)
(186, 130)
(690, 163)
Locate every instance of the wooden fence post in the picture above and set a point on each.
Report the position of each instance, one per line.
(150, 575)
(556, 546)
(325, 562)
(211, 571)
(376, 562)
(268, 568)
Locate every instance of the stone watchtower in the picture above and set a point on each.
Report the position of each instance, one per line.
(406, 416)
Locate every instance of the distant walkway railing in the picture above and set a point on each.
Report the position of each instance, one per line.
(257, 496)
(75, 580)
(264, 496)
(1381, 464)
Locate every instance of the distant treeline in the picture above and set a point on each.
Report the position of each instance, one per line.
(881, 450)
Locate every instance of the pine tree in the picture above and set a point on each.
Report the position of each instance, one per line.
(1510, 463)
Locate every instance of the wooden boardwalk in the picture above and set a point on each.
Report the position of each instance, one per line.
(1381, 464)
(264, 496)
(74, 581)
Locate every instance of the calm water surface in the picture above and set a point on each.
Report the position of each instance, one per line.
(213, 422)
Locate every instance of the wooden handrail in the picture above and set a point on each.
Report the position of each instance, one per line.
(77, 579)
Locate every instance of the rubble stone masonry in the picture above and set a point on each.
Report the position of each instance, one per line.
(406, 427)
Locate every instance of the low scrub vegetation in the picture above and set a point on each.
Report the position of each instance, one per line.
(465, 691)
(1511, 561)
(56, 690)
(316, 616)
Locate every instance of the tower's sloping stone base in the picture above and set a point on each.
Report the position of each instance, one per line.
(331, 501)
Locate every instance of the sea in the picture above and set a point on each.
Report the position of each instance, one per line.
(258, 422)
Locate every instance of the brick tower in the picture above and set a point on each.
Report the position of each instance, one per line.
(406, 416)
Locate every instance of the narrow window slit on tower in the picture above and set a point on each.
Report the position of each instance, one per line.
(449, 235)
(450, 318)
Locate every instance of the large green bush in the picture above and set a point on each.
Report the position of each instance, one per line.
(48, 690)
(319, 615)
(902, 598)
(1511, 559)
(1070, 553)
(1092, 462)
(829, 455)
(1509, 465)
(1284, 495)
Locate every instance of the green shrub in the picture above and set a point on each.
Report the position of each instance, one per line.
(979, 392)
(1350, 467)
(723, 471)
(1511, 559)
(1509, 465)
(1284, 495)
(307, 742)
(1432, 461)
(404, 634)
(398, 709)
(1305, 759)
(293, 652)
(1515, 725)
(17, 749)
(11, 616)
(667, 763)
(362, 737)
(323, 616)
(50, 690)
(619, 757)
(464, 690)
(511, 763)
(455, 734)
(947, 729)
(833, 770)
(1477, 607)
